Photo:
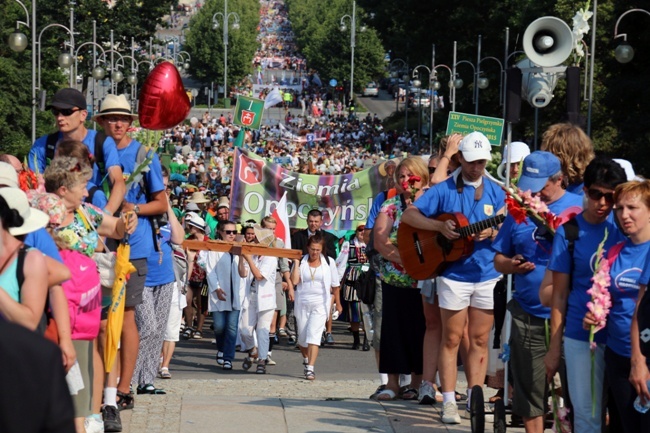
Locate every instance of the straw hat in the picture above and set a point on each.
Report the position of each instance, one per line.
(198, 197)
(115, 104)
(264, 236)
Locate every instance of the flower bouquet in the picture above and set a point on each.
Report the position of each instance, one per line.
(599, 306)
(523, 204)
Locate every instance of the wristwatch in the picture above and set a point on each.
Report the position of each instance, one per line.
(136, 209)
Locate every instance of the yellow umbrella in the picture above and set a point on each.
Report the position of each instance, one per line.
(123, 268)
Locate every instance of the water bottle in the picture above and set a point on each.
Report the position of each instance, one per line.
(637, 403)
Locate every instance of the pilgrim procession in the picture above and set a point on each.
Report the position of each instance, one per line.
(295, 216)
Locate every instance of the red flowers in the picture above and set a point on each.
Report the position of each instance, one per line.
(514, 208)
(409, 184)
(27, 180)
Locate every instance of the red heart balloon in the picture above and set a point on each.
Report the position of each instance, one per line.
(163, 101)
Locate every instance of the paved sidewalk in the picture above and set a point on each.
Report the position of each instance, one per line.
(283, 406)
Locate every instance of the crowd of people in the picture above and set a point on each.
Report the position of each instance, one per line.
(88, 197)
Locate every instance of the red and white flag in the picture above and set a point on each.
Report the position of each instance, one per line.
(281, 216)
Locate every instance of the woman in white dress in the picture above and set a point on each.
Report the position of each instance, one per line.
(315, 278)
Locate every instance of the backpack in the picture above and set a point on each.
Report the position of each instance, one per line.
(47, 326)
(84, 293)
(643, 319)
(98, 153)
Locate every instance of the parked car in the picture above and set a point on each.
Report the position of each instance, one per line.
(371, 89)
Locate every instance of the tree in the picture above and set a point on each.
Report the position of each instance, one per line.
(205, 44)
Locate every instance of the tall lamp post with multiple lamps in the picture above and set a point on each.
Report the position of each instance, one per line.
(353, 41)
(18, 42)
(225, 17)
(624, 53)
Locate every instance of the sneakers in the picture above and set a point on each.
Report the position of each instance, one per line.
(329, 339)
(269, 361)
(450, 413)
(93, 425)
(112, 421)
(426, 393)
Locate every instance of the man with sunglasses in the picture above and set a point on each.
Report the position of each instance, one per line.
(516, 254)
(69, 109)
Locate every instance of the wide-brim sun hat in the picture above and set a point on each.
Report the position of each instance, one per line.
(33, 219)
(198, 197)
(116, 105)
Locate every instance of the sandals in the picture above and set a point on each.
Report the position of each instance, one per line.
(150, 389)
(164, 373)
(385, 395)
(125, 401)
(220, 360)
(197, 335)
(227, 365)
(247, 364)
(188, 332)
(261, 369)
(379, 389)
(409, 394)
(309, 375)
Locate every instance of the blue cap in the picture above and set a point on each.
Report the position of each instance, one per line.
(538, 167)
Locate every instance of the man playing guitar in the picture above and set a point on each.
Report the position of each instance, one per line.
(465, 287)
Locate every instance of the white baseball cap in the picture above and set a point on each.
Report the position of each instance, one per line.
(518, 151)
(475, 146)
(33, 219)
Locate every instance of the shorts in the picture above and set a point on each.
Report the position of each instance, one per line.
(83, 399)
(135, 285)
(527, 351)
(428, 290)
(458, 295)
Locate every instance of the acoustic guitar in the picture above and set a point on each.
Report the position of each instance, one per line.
(425, 253)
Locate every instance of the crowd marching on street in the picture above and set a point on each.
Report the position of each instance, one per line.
(90, 207)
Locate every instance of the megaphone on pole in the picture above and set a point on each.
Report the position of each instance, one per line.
(548, 41)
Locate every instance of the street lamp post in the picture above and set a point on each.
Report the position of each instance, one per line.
(225, 16)
(432, 83)
(18, 42)
(353, 41)
(396, 75)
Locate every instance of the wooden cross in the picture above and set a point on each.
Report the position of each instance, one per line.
(246, 248)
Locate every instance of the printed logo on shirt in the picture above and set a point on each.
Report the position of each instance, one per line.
(488, 209)
(628, 280)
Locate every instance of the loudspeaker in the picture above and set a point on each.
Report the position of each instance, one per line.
(548, 41)
(537, 87)
(573, 95)
(513, 95)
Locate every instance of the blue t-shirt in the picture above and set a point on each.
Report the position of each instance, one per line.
(526, 239)
(37, 155)
(444, 198)
(374, 210)
(584, 256)
(42, 241)
(160, 273)
(142, 239)
(98, 198)
(626, 275)
(576, 188)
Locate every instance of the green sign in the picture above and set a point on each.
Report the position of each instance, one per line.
(461, 123)
(248, 112)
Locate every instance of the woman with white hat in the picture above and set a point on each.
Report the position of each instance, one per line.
(259, 303)
(197, 278)
(21, 302)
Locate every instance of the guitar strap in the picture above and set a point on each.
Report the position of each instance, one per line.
(460, 185)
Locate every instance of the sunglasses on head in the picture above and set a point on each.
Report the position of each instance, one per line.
(596, 195)
(230, 232)
(65, 111)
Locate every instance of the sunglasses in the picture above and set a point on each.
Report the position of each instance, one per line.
(596, 195)
(114, 119)
(432, 170)
(65, 111)
(230, 232)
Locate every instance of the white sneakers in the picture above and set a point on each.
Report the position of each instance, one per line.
(93, 425)
(450, 413)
